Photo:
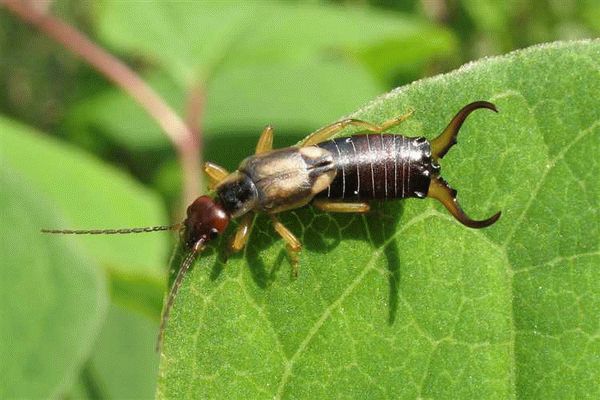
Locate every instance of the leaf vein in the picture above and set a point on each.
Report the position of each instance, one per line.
(336, 303)
(540, 182)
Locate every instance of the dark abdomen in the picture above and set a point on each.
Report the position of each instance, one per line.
(379, 166)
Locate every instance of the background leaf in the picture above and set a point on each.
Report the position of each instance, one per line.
(240, 54)
(53, 296)
(67, 310)
(256, 33)
(90, 195)
(405, 302)
(123, 365)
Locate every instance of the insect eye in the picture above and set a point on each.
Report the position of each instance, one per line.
(213, 233)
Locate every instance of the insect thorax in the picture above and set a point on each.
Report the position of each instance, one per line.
(289, 178)
(237, 194)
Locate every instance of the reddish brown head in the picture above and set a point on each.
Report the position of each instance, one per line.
(206, 219)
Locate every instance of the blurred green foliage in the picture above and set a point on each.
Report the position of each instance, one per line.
(296, 65)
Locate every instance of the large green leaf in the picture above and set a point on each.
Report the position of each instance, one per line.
(191, 39)
(79, 192)
(124, 363)
(91, 195)
(235, 105)
(260, 62)
(86, 194)
(53, 297)
(405, 302)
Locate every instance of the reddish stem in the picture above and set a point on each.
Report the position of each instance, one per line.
(181, 136)
(194, 113)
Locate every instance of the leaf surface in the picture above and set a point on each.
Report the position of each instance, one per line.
(240, 54)
(405, 302)
(124, 364)
(53, 297)
(55, 293)
(91, 195)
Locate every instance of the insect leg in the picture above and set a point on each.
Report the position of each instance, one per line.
(439, 189)
(265, 142)
(441, 144)
(331, 206)
(395, 121)
(242, 233)
(215, 173)
(328, 131)
(293, 245)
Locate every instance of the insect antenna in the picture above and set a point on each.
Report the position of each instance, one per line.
(185, 266)
(120, 231)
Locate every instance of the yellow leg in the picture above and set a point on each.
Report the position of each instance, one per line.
(328, 131)
(215, 173)
(242, 233)
(293, 245)
(265, 142)
(390, 123)
(339, 207)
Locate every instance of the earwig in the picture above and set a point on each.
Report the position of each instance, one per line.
(333, 174)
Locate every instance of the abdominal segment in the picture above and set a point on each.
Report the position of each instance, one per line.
(379, 166)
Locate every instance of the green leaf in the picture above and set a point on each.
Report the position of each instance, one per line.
(191, 40)
(124, 364)
(53, 296)
(86, 194)
(91, 195)
(405, 302)
(241, 54)
(236, 104)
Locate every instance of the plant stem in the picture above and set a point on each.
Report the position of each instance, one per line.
(181, 135)
(194, 114)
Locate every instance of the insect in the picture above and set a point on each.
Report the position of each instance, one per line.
(333, 174)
